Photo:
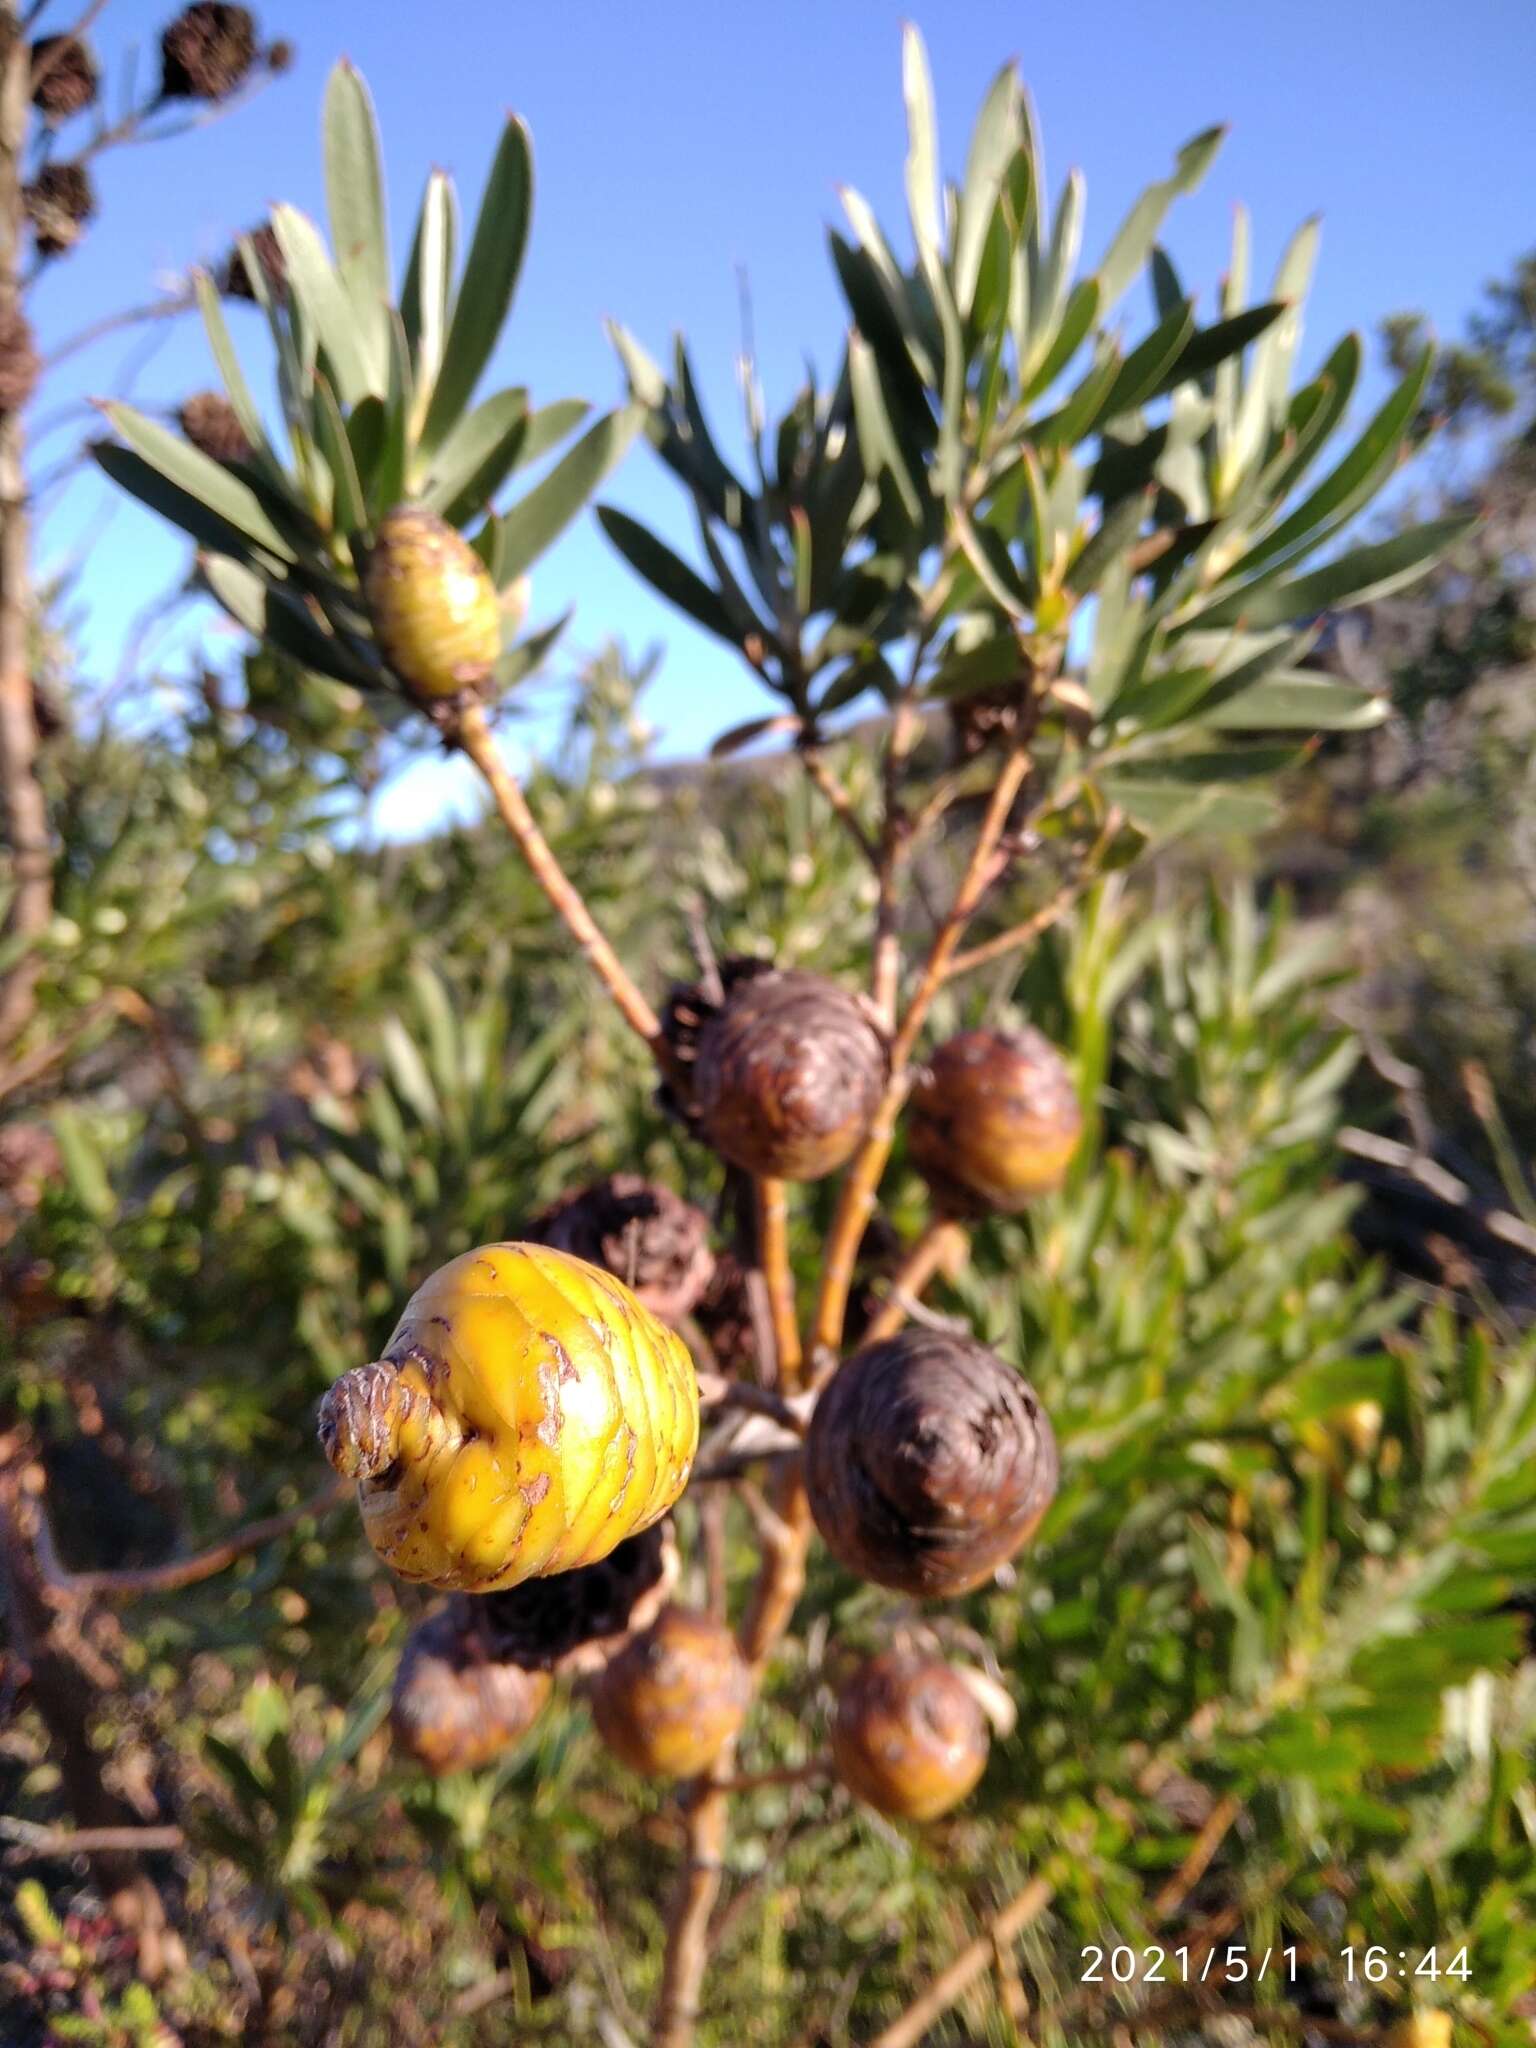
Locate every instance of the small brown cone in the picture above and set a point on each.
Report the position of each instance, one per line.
(783, 1075)
(928, 1463)
(993, 1120)
(60, 201)
(208, 52)
(574, 1623)
(64, 77)
(672, 1699)
(453, 1707)
(211, 424)
(653, 1240)
(909, 1737)
(235, 279)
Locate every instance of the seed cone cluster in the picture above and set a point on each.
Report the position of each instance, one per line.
(212, 425)
(64, 77)
(433, 605)
(929, 1462)
(453, 1707)
(528, 1415)
(207, 52)
(655, 1242)
(909, 1737)
(672, 1698)
(19, 362)
(236, 281)
(993, 1121)
(783, 1072)
(60, 202)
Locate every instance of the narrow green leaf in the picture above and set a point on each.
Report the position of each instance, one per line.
(1362, 573)
(477, 457)
(489, 282)
(882, 452)
(1355, 479)
(1134, 238)
(1298, 701)
(354, 186)
(993, 144)
(84, 1167)
(350, 510)
(548, 425)
(879, 321)
(1210, 346)
(227, 503)
(1081, 312)
(988, 555)
(1142, 372)
(1051, 291)
(647, 384)
(245, 407)
(668, 573)
(1112, 538)
(538, 519)
(324, 302)
(922, 146)
(426, 298)
(1074, 419)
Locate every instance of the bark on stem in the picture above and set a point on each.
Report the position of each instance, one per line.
(21, 794)
(772, 1201)
(473, 736)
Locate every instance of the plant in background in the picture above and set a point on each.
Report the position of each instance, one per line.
(1097, 556)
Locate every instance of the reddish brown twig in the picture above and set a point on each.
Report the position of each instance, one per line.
(828, 782)
(180, 1571)
(36, 1845)
(941, 1249)
(952, 1983)
(771, 1197)
(472, 734)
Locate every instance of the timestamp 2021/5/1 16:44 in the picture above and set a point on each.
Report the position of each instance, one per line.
(1238, 1963)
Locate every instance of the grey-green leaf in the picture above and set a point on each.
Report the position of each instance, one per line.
(667, 573)
(543, 515)
(489, 282)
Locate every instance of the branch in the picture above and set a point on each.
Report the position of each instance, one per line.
(73, 1587)
(856, 1200)
(941, 1249)
(698, 1887)
(1445, 1187)
(473, 736)
(1021, 934)
(827, 781)
(951, 1985)
(36, 1845)
(113, 323)
(771, 1197)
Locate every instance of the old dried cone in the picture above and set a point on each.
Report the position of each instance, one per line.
(527, 1416)
(454, 1707)
(909, 1737)
(433, 605)
(929, 1462)
(783, 1074)
(655, 1242)
(993, 1120)
(672, 1698)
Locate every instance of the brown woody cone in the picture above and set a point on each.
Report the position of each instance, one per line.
(64, 77)
(454, 1708)
(993, 1120)
(653, 1240)
(575, 1622)
(909, 1737)
(783, 1075)
(59, 202)
(724, 1314)
(235, 279)
(207, 52)
(673, 1697)
(928, 1463)
(19, 362)
(212, 425)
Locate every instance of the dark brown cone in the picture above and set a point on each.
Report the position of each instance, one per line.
(993, 1121)
(786, 1075)
(207, 52)
(211, 424)
(574, 1622)
(64, 77)
(454, 1708)
(281, 56)
(655, 1242)
(928, 1463)
(724, 1314)
(19, 362)
(59, 203)
(235, 281)
(909, 1737)
(989, 718)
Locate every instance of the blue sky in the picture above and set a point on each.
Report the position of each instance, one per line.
(680, 140)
